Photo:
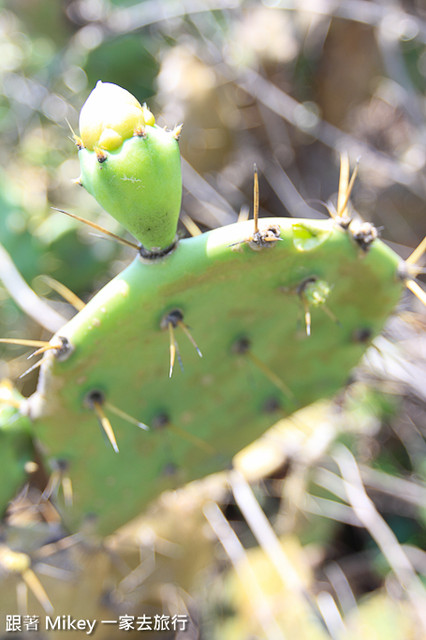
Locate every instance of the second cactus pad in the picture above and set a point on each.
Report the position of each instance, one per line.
(16, 447)
(246, 302)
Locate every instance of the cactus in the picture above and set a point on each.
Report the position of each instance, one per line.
(280, 310)
(17, 451)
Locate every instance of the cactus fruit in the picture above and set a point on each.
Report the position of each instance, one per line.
(238, 295)
(130, 165)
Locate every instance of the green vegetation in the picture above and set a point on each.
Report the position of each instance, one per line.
(168, 354)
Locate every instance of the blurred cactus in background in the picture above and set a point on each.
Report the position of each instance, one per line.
(291, 87)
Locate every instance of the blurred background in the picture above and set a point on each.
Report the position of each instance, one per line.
(288, 85)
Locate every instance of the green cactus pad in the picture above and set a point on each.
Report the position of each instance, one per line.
(244, 306)
(16, 448)
(139, 184)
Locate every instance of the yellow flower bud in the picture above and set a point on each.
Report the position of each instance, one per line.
(13, 561)
(110, 115)
(149, 118)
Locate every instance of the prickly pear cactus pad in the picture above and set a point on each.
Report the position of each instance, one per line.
(244, 299)
(16, 448)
